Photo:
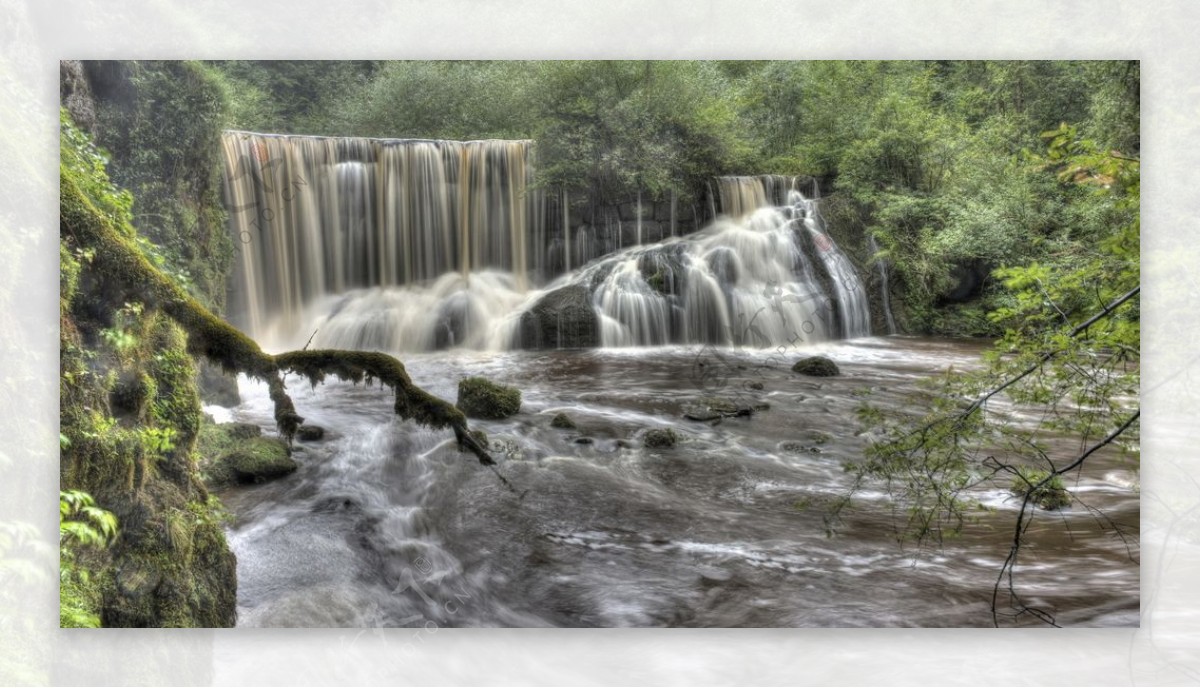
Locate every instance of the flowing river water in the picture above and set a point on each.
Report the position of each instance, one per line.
(448, 253)
(386, 524)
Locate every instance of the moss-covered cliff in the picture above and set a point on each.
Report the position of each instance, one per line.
(130, 414)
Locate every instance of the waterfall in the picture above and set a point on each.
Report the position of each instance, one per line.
(316, 216)
(884, 293)
(760, 275)
(415, 245)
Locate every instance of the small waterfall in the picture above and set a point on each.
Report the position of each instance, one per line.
(884, 292)
(317, 216)
(740, 196)
(746, 281)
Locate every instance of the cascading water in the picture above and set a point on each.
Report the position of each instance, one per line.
(885, 296)
(317, 216)
(746, 281)
(413, 245)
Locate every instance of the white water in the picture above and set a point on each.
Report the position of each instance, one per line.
(409, 245)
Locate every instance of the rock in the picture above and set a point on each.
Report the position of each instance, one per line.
(755, 385)
(562, 420)
(481, 398)
(260, 460)
(238, 453)
(660, 438)
(817, 366)
(700, 414)
(451, 326)
(310, 433)
(562, 319)
(816, 436)
(584, 440)
(715, 408)
(713, 574)
(75, 94)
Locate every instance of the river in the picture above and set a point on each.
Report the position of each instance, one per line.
(386, 524)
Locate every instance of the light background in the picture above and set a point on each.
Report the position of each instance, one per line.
(35, 34)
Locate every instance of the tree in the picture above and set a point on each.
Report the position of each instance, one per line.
(1070, 350)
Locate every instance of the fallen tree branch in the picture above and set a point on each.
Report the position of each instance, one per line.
(123, 272)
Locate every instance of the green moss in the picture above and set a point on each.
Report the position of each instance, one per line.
(816, 366)
(1050, 496)
(68, 276)
(481, 398)
(129, 415)
(660, 438)
(237, 453)
(562, 420)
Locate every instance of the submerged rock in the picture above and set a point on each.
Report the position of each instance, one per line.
(817, 366)
(480, 398)
(660, 438)
(562, 420)
(562, 319)
(310, 433)
(715, 408)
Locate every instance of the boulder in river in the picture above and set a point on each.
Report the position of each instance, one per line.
(481, 398)
(660, 438)
(562, 420)
(816, 366)
(310, 433)
(562, 319)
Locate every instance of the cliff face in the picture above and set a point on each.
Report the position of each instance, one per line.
(130, 415)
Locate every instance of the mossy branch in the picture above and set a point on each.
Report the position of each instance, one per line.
(124, 272)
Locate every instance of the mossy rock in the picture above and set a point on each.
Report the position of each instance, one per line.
(660, 438)
(481, 398)
(816, 366)
(238, 453)
(562, 420)
(310, 433)
(1051, 496)
(259, 460)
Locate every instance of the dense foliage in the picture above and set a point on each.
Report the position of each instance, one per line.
(141, 541)
(160, 125)
(1070, 351)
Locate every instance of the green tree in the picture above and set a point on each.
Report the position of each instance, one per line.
(1070, 350)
